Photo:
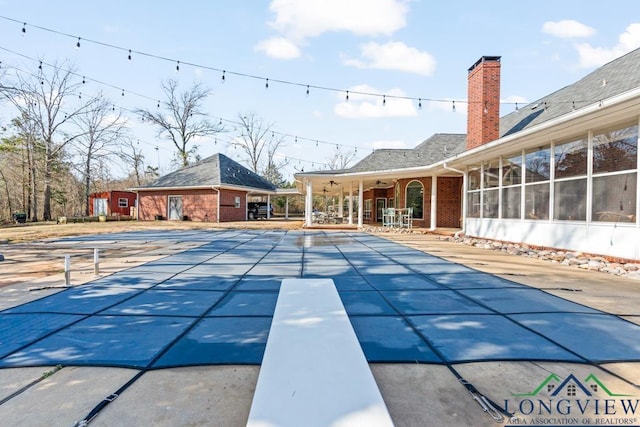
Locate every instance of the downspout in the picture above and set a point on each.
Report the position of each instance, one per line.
(464, 194)
(218, 207)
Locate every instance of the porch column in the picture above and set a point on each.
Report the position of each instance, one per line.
(308, 208)
(286, 207)
(351, 203)
(434, 202)
(268, 206)
(360, 202)
(340, 203)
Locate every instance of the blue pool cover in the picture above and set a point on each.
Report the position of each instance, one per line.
(213, 304)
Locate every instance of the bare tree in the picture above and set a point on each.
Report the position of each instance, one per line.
(42, 97)
(181, 119)
(340, 159)
(260, 146)
(100, 131)
(131, 154)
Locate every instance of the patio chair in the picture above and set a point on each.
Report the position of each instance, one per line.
(389, 217)
(406, 220)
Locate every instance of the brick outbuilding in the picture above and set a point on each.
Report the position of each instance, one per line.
(214, 189)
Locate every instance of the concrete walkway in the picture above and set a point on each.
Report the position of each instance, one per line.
(415, 394)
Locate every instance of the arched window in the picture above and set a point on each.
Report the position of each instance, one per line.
(415, 198)
(396, 201)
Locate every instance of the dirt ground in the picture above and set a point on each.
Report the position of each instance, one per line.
(31, 232)
(29, 255)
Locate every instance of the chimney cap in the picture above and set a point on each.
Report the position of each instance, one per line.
(485, 59)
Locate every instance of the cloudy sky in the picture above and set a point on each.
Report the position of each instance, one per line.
(411, 55)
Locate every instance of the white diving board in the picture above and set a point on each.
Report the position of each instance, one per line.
(314, 372)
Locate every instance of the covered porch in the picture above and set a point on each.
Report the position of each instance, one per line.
(425, 197)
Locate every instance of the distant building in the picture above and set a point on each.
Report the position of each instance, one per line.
(112, 203)
(214, 189)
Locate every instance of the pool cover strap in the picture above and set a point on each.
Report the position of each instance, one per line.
(104, 402)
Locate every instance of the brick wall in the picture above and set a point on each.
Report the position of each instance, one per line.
(449, 202)
(483, 110)
(151, 204)
(197, 205)
(228, 211)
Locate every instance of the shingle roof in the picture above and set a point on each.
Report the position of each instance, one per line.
(616, 77)
(217, 170)
(434, 149)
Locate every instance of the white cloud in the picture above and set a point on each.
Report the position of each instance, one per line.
(394, 56)
(388, 144)
(567, 28)
(278, 47)
(301, 19)
(366, 106)
(591, 56)
(298, 20)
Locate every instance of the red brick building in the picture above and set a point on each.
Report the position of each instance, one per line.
(214, 189)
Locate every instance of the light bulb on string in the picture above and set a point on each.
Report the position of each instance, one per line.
(24, 28)
(419, 103)
(40, 66)
(122, 92)
(223, 76)
(83, 80)
(78, 43)
(177, 66)
(307, 93)
(129, 55)
(158, 105)
(384, 100)
(346, 98)
(266, 84)
(516, 106)
(453, 106)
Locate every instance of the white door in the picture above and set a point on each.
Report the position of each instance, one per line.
(175, 207)
(99, 207)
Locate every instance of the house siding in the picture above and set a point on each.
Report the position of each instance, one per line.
(113, 207)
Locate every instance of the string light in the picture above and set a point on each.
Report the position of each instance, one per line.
(384, 100)
(346, 98)
(224, 71)
(122, 92)
(83, 80)
(40, 66)
(266, 84)
(453, 106)
(78, 43)
(419, 103)
(158, 106)
(307, 90)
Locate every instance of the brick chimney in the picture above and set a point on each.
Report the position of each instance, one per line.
(483, 110)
